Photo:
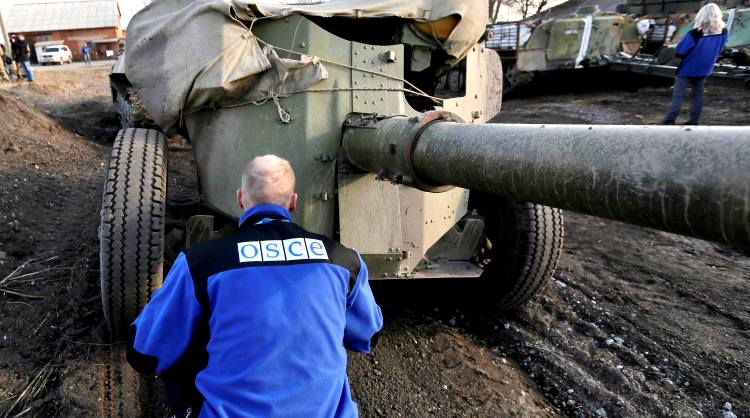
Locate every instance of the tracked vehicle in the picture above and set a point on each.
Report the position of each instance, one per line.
(417, 183)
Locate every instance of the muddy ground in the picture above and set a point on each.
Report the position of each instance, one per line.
(635, 323)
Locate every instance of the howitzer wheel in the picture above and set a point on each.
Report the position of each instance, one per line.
(525, 243)
(131, 233)
(133, 113)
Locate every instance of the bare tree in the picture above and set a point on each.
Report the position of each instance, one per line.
(528, 7)
(494, 9)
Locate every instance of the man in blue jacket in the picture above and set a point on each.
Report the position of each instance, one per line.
(256, 324)
(86, 52)
(699, 50)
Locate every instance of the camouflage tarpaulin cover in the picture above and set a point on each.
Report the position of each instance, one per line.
(184, 55)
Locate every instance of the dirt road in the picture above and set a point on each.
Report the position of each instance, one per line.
(636, 323)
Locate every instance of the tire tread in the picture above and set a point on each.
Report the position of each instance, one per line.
(529, 247)
(132, 225)
(132, 111)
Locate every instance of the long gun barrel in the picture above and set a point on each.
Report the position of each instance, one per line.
(693, 181)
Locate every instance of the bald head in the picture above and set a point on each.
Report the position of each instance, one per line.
(267, 180)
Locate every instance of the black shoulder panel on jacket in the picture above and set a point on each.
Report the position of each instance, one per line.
(342, 256)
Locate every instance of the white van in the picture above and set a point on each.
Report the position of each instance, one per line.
(58, 54)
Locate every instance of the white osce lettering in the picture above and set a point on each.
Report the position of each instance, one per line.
(286, 250)
(295, 249)
(272, 250)
(316, 249)
(249, 251)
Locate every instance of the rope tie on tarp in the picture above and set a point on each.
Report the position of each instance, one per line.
(284, 115)
(414, 89)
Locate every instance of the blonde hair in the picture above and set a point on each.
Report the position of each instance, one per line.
(268, 179)
(709, 20)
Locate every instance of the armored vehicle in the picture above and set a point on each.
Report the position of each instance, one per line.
(576, 41)
(588, 38)
(640, 36)
(409, 176)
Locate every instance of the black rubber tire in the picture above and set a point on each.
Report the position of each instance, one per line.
(514, 79)
(525, 244)
(133, 113)
(131, 233)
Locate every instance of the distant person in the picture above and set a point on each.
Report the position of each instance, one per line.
(15, 70)
(699, 50)
(86, 51)
(4, 68)
(255, 324)
(22, 51)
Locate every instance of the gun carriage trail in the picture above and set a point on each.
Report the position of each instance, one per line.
(635, 323)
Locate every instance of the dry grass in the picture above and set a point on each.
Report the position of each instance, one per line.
(9, 284)
(22, 403)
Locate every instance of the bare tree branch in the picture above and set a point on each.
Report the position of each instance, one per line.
(542, 4)
(494, 9)
(527, 7)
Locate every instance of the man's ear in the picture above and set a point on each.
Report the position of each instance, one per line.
(239, 199)
(293, 203)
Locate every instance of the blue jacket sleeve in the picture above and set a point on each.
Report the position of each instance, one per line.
(685, 46)
(162, 332)
(363, 316)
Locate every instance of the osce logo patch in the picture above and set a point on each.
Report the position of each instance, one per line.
(281, 250)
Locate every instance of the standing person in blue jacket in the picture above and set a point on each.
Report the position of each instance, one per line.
(86, 51)
(256, 324)
(699, 50)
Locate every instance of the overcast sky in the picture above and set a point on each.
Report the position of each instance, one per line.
(128, 8)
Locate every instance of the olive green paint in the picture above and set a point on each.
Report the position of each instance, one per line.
(693, 181)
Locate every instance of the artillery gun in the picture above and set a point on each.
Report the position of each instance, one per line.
(418, 184)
